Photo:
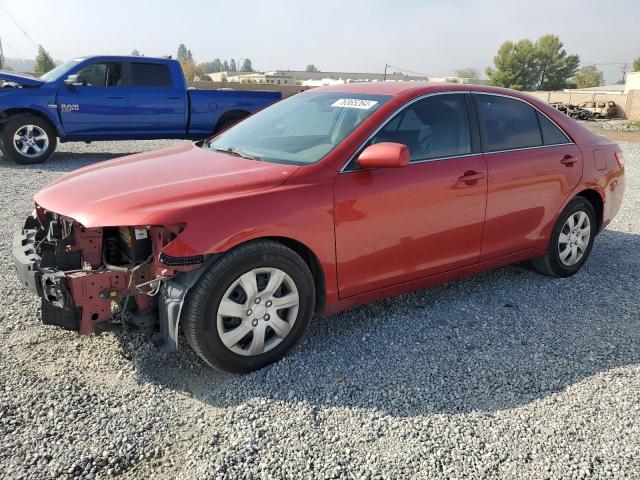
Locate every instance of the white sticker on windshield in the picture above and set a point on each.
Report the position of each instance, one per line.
(354, 103)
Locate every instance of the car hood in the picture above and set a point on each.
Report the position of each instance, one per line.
(128, 190)
(25, 80)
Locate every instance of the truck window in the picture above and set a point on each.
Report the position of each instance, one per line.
(102, 74)
(150, 75)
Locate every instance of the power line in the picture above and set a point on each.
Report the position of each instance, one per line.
(35, 44)
(408, 71)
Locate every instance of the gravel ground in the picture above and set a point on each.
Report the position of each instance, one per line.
(506, 374)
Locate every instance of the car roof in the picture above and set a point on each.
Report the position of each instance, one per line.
(395, 88)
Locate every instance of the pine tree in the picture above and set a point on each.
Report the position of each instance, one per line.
(44, 62)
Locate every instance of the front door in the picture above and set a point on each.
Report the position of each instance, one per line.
(98, 107)
(397, 225)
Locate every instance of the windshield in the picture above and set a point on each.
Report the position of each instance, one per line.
(299, 130)
(59, 71)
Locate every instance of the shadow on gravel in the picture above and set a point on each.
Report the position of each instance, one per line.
(487, 343)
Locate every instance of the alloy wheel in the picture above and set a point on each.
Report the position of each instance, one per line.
(31, 141)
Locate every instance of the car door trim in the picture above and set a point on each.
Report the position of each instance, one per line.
(392, 115)
(402, 107)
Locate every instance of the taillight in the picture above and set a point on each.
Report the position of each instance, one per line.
(620, 157)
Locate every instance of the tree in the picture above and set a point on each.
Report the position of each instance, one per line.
(587, 77)
(232, 65)
(524, 65)
(190, 70)
(225, 66)
(212, 67)
(136, 53)
(246, 66)
(44, 62)
(556, 67)
(636, 65)
(468, 73)
(182, 52)
(312, 68)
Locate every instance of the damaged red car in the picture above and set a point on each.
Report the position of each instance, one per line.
(328, 199)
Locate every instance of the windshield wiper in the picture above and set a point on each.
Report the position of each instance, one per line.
(235, 152)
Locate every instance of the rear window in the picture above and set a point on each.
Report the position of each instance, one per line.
(551, 135)
(507, 124)
(150, 75)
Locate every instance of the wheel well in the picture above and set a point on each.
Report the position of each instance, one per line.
(7, 115)
(312, 262)
(230, 116)
(598, 205)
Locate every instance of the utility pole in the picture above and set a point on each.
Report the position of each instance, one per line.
(385, 72)
(1, 54)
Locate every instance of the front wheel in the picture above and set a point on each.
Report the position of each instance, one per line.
(28, 139)
(571, 240)
(250, 308)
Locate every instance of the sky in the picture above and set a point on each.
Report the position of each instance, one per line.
(433, 37)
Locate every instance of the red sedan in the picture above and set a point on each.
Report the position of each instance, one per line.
(328, 199)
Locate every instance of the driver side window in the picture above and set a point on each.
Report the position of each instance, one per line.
(104, 74)
(434, 127)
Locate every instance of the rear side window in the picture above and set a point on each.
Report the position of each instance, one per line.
(507, 124)
(434, 127)
(551, 135)
(150, 75)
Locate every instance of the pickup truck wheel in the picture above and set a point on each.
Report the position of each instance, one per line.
(28, 139)
(250, 308)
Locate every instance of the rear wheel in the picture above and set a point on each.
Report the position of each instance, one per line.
(571, 240)
(28, 139)
(250, 308)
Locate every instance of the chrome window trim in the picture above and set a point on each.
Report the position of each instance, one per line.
(391, 116)
(472, 92)
(537, 110)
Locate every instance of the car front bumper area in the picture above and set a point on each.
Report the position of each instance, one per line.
(48, 283)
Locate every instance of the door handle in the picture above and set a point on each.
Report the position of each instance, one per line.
(115, 96)
(569, 160)
(471, 176)
(174, 97)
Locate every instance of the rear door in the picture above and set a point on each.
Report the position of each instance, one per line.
(157, 102)
(533, 166)
(399, 224)
(98, 107)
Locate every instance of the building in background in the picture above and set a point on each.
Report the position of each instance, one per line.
(319, 79)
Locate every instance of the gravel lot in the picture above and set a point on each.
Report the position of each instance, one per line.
(506, 374)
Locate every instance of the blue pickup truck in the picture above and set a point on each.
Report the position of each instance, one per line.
(112, 98)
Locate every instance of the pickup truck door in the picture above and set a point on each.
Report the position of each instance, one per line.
(98, 107)
(157, 101)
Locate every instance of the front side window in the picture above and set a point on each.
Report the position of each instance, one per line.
(507, 124)
(298, 130)
(434, 127)
(150, 75)
(103, 74)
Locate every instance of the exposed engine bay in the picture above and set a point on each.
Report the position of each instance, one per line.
(82, 273)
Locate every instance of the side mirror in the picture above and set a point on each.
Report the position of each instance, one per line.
(384, 155)
(74, 80)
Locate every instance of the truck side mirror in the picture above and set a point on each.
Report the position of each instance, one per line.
(74, 80)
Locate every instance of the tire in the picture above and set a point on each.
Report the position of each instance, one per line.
(553, 263)
(204, 325)
(40, 134)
